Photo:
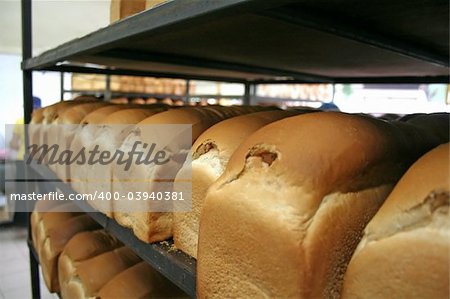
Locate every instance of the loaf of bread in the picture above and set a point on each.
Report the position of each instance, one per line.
(156, 226)
(48, 215)
(50, 116)
(54, 231)
(404, 252)
(81, 247)
(210, 155)
(92, 274)
(39, 210)
(64, 129)
(140, 281)
(84, 135)
(109, 138)
(285, 217)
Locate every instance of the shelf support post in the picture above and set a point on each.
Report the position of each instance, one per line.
(249, 92)
(108, 94)
(27, 77)
(187, 95)
(61, 86)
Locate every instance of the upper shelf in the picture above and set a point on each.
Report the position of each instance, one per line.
(266, 40)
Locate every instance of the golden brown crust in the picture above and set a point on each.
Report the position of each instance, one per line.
(83, 246)
(97, 116)
(94, 273)
(140, 281)
(75, 113)
(59, 228)
(130, 116)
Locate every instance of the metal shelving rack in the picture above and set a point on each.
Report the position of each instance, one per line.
(108, 94)
(254, 42)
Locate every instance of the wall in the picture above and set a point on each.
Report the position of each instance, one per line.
(54, 22)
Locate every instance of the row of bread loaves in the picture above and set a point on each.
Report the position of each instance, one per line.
(286, 215)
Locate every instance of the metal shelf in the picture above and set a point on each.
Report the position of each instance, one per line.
(173, 264)
(270, 40)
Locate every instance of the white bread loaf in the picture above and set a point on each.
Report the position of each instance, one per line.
(140, 281)
(109, 138)
(210, 155)
(36, 218)
(92, 274)
(404, 252)
(84, 135)
(50, 115)
(48, 215)
(157, 226)
(63, 131)
(53, 244)
(200, 119)
(284, 218)
(81, 247)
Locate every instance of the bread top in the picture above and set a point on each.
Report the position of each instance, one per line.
(435, 123)
(75, 113)
(97, 116)
(52, 112)
(199, 118)
(421, 198)
(61, 234)
(95, 272)
(227, 135)
(324, 152)
(88, 244)
(252, 109)
(84, 98)
(130, 116)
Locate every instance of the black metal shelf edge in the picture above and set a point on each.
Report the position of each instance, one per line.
(158, 18)
(32, 250)
(173, 264)
(265, 40)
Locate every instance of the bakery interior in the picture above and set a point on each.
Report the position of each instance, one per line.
(316, 163)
